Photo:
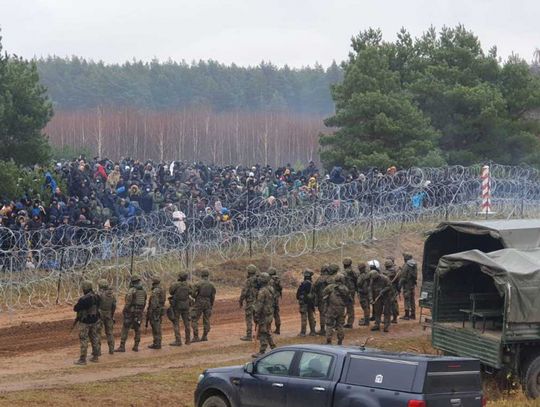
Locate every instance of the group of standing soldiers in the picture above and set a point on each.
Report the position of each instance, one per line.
(333, 295)
(260, 298)
(187, 303)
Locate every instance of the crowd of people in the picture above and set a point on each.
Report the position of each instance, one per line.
(333, 294)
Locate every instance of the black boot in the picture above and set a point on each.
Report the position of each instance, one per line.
(406, 317)
(121, 348)
(376, 328)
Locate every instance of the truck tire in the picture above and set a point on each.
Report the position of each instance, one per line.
(215, 401)
(531, 380)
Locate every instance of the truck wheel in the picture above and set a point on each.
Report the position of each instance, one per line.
(531, 381)
(215, 401)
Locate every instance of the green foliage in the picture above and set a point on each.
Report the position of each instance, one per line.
(432, 100)
(68, 153)
(79, 84)
(10, 175)
(24, 112)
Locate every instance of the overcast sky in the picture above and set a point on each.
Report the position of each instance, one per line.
(293, 32)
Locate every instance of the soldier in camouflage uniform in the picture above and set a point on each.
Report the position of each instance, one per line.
(179, 308)
(204, 294)
(133, 313)
(380, 295)
(350, 281)
(391, 272)
(247, 298)
(333, 271)
(337, 297)
(278, 293)
(155, 311)
(305, 296)
(362, 284)
(87, 309)
(318, 287)
(107, 307)
(408, 277)
(263, 310)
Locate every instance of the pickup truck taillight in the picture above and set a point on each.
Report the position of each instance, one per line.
(416, 403)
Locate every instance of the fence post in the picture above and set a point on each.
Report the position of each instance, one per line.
(371, 216)
(60, 277)
(248, 222)
(314, 226)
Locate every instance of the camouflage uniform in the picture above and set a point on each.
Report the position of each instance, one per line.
(336, 296)
(87, 309)
(278, 293)
(333, 271)
(408, 285)
(247, 298)
(204, 294)
(318, 287)
(362, 284)
(350, 281)
(380, 295)
(179, 308)
(263, 310)
(107, 307)
(391, 272)
(133, 313)
(155, 312)
(305, 296)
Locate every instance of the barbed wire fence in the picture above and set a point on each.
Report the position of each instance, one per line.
(45, 267)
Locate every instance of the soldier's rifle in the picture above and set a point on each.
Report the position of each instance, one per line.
(385, 290)
(74, 323)
(146, 322)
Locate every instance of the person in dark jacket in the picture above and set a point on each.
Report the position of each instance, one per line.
(305, 297)
(87, 309)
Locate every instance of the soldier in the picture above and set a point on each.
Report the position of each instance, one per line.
(204, 294)
(87, 309)
(362, 285)
(247, 298)
(408, 277)
(350, 281)
(318, 287)
(263, 310)
(336, 296)
(380, 296)
(133, 313)
(278, 293)
(305, 296)
(391, 272)
(179, 308)
(107, 307)
(155, 311)
(333, 270)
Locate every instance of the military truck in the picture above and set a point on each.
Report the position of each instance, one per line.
(487, 306)
(486, 236)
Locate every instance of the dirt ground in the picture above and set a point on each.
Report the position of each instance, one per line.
(37, 348)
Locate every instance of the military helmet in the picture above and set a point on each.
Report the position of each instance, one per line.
(205, 273)
(264, 278)
(347, 261)
(362, 267)
(252, 269)
(272, 271)
(388, 263)
(86, 285)
(324, 269)
(135, 278)
(340, 279)
(333, 268)
(156, 279)
(103, 283)
(407, 256)
(308, 273)
(182, 276)
(374, 265)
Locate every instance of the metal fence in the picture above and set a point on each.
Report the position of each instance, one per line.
(45, 267)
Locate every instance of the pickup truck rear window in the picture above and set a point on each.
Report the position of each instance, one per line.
(452, 382)
(380, 372)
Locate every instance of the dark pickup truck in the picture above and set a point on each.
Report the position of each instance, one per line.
(335, 376)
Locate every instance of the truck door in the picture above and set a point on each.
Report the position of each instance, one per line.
(268, 384)
(310, 383)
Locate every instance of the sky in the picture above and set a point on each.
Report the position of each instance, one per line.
(293, 32)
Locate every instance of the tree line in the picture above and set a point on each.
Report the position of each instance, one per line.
(77, 84)
(436, 99)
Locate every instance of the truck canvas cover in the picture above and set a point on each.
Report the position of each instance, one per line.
(516, 233)
(516, 274)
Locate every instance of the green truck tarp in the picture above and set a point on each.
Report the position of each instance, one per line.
(516, 274)
(516, 233)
